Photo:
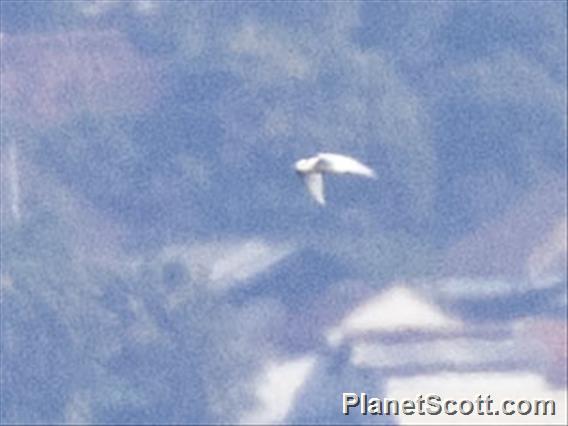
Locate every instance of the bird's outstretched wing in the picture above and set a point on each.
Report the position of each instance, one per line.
(337, 163)
(314, 184)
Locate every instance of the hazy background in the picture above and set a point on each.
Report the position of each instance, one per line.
(162, 263)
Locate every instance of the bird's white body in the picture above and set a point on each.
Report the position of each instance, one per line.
(313, 168)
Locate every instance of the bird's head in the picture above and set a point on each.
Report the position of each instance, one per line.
(302, 166)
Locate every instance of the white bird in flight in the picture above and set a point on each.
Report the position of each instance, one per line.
(313, 168)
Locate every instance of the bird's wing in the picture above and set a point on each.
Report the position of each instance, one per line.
(337, 163)
(314, 183)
